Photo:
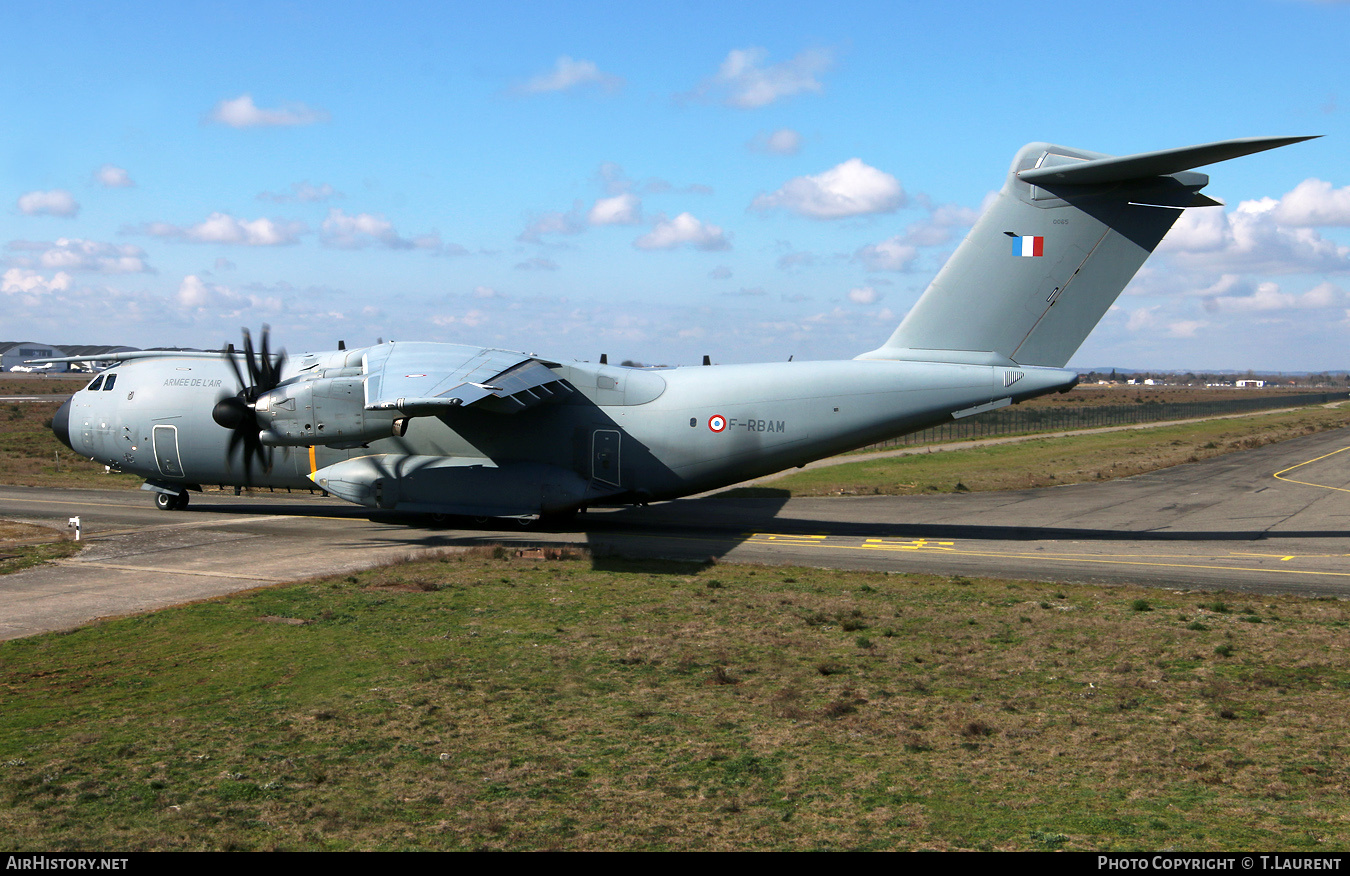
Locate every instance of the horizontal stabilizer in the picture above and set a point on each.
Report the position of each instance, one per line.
(1149, 164)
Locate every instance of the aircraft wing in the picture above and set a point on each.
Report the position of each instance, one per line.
(419, 379)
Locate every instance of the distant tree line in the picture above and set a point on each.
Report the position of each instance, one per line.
(1203, 378)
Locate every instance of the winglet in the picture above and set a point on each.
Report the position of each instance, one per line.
(1150, 164)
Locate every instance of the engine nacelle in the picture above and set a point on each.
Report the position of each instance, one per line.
(327, 411)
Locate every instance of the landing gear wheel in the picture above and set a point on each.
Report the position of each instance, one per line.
(171, 501)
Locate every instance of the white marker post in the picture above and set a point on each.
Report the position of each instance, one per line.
(74, 523)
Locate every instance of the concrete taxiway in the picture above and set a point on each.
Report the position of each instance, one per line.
(1274, 519)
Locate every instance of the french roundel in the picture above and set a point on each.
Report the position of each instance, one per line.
(717, 422)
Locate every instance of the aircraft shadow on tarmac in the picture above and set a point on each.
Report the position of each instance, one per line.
(708, 528)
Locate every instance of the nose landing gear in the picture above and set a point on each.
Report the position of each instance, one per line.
(168, 499)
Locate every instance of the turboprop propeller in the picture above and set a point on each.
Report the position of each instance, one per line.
(237, 412)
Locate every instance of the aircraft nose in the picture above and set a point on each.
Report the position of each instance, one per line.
(61, 423)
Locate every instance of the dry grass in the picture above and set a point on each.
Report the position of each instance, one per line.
(23, 545)
(30, 455)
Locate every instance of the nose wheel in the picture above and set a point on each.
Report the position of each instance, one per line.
(171, 501)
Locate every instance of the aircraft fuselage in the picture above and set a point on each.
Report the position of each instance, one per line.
(623, 434)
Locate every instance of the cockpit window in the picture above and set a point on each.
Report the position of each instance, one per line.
(108, 384)
(98, 381)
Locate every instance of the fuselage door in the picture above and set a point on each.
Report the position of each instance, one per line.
(166, 451)
(605, 456)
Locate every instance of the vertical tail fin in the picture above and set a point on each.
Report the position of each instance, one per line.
(1042, 265)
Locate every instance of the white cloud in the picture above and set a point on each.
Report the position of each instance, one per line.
(683, 229)
(744, 81)
(848, 189)
(358, 231)
(942, 220)
(889, 255)
(112, 177)
(622, 209)
(538, 263)
(568, 74)
(56, 202)
(784, 141)
(196, 294)
(20, 281)
(1185, 328)
(864, 295)
(224, 228)
(471, 319)
(1314, 202)
(74, 254)
(241, 112)
(303, 192)
(1250, 238)
(899, 253)
(1149, 321)
(570, 222)
(1268, 297)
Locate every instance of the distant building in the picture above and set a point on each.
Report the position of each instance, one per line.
(1256, 383)
(14, 353)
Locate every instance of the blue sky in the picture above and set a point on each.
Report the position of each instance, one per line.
(747, 180)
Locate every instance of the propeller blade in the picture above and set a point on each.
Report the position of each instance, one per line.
(237, 414)
(234, 366)
(265, 361)
(249, 360)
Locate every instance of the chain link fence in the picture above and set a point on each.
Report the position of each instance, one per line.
(1022, 421)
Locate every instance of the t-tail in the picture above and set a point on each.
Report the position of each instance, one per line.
(1068, 231)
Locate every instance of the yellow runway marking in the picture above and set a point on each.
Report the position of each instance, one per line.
(1279, 475)
(1291, 556)
(1164, 561)
(783, 538)
(913, 544)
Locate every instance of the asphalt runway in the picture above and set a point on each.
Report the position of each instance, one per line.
(1274, 519)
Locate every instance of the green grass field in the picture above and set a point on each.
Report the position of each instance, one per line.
(488, 702)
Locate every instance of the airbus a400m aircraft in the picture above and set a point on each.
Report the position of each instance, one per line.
(465, 430)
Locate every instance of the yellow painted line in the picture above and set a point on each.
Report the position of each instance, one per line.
(1112, 561)
(786, 538)
(1109, 560)
(912, 544)
(1279, 474)
(1290, 557)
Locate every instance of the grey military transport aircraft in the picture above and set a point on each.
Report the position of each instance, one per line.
(465, 430)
